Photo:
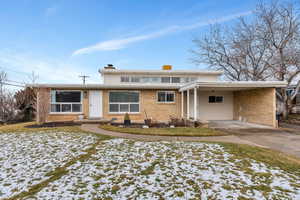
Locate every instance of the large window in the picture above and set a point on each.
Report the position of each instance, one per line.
(63, 101)
(166, 96)
(124, 102)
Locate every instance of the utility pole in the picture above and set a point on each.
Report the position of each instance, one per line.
(84, 77)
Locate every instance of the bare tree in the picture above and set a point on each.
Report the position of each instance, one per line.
(265, 47)
(3, 78)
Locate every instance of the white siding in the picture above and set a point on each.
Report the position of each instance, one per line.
(215, 111)
(116, 78)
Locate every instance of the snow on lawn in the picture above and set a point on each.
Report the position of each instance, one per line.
(26, 158)
(125, 169)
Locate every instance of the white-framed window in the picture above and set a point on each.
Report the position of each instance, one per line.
(165, 79)
(166, 96)
(215, 99)
(66, 101)
(125, 79)
(135, 79)
(124, 102)
(175, 79)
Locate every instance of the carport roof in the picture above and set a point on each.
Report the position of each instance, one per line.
(235, 84)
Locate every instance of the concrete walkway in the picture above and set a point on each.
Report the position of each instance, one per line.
(230, 138)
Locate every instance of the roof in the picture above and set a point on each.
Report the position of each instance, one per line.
(105, 86)
(235, 84)
(197, 84)
(160, 72)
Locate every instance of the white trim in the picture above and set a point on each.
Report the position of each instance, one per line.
(66, 113)
(167, 91)
(234, 84)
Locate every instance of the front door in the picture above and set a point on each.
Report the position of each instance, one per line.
(95, 101)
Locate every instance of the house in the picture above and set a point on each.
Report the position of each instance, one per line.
(161, 94)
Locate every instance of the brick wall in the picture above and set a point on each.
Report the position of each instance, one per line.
(256, 106)
(148, 101)
(43, 108)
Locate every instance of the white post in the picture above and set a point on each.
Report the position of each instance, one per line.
(182, 104)
(195, 104)
(188, 104)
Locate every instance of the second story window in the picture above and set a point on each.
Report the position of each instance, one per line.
(125, 79)
(175, 79)
(165, 79)
(135, 79)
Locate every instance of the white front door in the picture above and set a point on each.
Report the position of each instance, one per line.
(95, 101)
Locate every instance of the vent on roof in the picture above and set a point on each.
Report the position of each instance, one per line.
(167, 67)
(109, 66)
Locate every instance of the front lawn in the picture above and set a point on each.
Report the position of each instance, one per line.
(56, 164)
(178, 131)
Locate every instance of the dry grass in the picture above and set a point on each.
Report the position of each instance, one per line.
(21, 128)
(270, 157)
(178, 131)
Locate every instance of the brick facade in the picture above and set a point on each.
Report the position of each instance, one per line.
(43, 108)
(256, 106)
(148, 102)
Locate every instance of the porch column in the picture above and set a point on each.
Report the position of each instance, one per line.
(182, 104)
(188, 104)
(195, 104)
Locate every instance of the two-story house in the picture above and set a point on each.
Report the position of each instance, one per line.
(161, 94)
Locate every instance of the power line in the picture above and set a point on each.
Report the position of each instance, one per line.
(84, 77)
(15, 71)
(3, 83)
(15, 82)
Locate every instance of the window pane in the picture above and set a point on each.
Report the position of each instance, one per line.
(68, 96)
(134, 108)
(66, 107)
(123, 97)
(76, 108)
(175, 79)
(124, 108)
(146, 79)
(212, 99)
(135, 79)
(155, 79)
(165, 79)
(113, 107)
(219, 99)
(161, 96)
(170, 97)
(124, 79)
(55, 107)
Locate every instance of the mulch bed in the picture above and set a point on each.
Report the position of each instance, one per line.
(53, 124)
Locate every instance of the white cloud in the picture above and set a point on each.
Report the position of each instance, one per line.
(20, 65)
(117, 44)
(51, 11)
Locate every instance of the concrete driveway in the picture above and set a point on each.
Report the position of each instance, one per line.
(277, 139)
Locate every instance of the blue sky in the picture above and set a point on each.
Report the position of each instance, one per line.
(61, 39)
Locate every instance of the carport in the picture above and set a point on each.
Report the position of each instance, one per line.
(245, 101)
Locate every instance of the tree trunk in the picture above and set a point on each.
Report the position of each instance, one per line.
(285, 112)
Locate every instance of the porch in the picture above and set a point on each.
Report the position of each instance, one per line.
(252, 102)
